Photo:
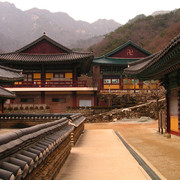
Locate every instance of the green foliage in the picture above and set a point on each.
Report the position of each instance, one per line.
(15, 108)
(10, 108)
(151, 32)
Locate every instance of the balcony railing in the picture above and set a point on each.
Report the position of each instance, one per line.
(49, 84)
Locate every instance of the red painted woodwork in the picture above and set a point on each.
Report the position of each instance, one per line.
(95, 98)
(43, 97)
(129, 52)
(49, 84)
(96, 76)
(175, 133)
(74, 74)
(74, 99)
(44, 47)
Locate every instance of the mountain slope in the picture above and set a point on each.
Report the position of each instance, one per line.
(25, 26)
(151, 33)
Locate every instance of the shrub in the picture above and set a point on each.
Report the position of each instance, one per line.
(10, 108)
(31, 108)
(47, 107)
(21, 108)
(41, 108)
(15, 108)
(26, 108)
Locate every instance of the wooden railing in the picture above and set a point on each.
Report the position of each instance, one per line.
(49, 84)
(151, 86)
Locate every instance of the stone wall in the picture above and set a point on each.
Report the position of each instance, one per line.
(148, 109)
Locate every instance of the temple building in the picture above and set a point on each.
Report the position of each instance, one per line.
(7, 77)
(108, 69)
(53, 75)
(165, 67)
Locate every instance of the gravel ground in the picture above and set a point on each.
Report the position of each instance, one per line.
(163, 153)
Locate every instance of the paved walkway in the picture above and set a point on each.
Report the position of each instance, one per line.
(100, 155)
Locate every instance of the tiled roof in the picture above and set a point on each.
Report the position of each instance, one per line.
(4, 93)
(124, 45)
(113, 61)
(44, 58)
(160, 62)
(106, 60)
(9, 74)
(44, 37)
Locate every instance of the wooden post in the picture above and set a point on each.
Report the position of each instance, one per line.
(167, 113)
(74, 99)
(95, 98)
(42, 97)
(43, 76)
(179, 111)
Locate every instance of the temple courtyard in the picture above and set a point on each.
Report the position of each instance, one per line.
(100, 154)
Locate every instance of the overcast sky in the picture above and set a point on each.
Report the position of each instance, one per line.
(92, 10)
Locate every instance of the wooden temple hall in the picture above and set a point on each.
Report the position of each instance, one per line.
(108, 70)
(52, 75)
(7, 77)
(165, 67)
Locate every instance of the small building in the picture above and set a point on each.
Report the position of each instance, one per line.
(7, 77)
(53, 75)
(108, 69)
(165, 67)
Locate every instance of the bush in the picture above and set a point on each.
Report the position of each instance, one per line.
(41, 108)
(15, 108)
(36, 107)
(21, 108)
(31, 108)
(26, 108)
(10, 108)
(47, 107)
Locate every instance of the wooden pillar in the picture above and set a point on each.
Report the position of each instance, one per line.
(140, 84)
(95, 98)
(121, 87)
(179, 111)
(102, 84)
(43, 75)
(3, 106)
(74, 99)
(42, 97)
(75, 74)
(11, 101)
(167, 113)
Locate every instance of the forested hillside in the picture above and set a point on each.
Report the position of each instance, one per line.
(151, 33)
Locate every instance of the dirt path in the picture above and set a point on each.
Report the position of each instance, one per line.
(161, 152)
(99, 154)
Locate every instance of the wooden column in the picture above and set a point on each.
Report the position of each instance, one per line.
(42, 97)
(74, 74)
(74, 99)
(3, 106)
(167, 113)
(179, 111)
(43, 75)
(95, 98)
(121, 87)
(140, 84)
